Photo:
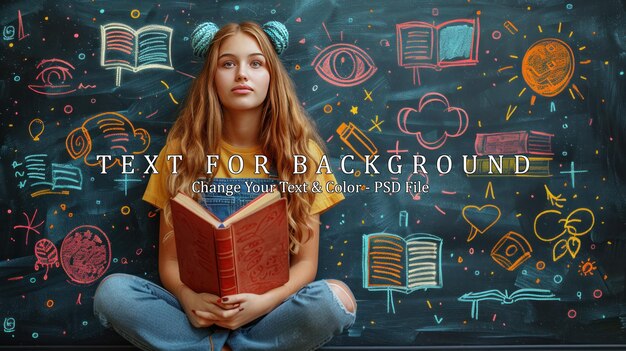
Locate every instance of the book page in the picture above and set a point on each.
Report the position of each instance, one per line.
(253, 206)
(423, 263)
(386, 261)
(118, 49)
(416, 43)
(455, 42)
(532, 294)
(153, 45)
(194, 207)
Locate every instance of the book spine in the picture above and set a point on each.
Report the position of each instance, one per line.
(540, 143)
(226, 261)
(538, 167)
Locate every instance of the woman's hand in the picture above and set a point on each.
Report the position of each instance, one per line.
(248, 307)
(204, 310)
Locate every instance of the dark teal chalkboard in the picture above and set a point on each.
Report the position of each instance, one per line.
(534, 259)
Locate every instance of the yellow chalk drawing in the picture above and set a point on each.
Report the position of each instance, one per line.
(36, 128)
(578, 223)
(554, 200)
(490, 191)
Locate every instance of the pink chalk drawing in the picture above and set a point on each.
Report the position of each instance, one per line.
(109, 133)
(415, 178)
(512, 143)
(47, 255)
(85, 254)
(450, 44)
(344, 65)
(438, 141)
(29, 225)
(54, 76)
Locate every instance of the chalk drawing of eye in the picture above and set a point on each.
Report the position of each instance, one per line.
(54, 76)
(344, 65)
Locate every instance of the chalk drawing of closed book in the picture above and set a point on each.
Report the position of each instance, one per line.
(392, 263)
(123, 47)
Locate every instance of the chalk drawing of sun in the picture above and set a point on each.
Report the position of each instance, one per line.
(547, 67)
(586, 268)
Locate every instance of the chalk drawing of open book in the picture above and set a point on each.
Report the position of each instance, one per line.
(392, 263)
(449, 44)
(126, 48)
(505, 298)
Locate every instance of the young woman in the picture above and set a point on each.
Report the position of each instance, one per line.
(242, 103)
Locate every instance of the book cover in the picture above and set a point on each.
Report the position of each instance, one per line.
(391, 262)
(512, 143)
(246, 253)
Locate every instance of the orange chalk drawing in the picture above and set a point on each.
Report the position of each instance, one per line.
(587, 267)
(36, 128)
(548, 66)
(107, 133)
(356, 140)
(511, 251)
(480, 219)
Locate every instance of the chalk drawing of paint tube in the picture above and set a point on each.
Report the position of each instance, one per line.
(356, 140)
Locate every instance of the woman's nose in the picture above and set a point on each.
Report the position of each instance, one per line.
(242, 74)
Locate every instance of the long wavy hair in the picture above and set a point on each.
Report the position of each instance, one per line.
(285, 131)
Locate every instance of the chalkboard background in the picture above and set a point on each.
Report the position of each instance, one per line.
(63, 225)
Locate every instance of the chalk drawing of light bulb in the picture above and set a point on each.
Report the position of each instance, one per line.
(36, 128)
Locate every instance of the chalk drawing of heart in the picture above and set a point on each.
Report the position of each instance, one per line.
(480, 218)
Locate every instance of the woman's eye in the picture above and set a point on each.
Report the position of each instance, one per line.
(256, 64)
(228, 64)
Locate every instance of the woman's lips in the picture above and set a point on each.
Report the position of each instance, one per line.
(242, 89)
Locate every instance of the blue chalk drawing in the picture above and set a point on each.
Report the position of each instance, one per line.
(392, 263)
(505, 298)
(455, 42)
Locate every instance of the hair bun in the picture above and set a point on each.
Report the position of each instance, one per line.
(201, 38)
(278, 34)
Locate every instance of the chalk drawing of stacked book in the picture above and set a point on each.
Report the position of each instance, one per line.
(392, 263)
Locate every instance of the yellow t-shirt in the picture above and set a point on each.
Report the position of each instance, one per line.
(156, 192)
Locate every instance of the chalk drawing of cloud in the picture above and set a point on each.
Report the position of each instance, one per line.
(431, 141)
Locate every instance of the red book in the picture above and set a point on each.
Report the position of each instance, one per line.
(246, 253)
(509, 143)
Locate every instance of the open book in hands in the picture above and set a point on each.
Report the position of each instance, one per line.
(246, 253)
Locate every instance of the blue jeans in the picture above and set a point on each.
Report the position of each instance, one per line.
(151, 318)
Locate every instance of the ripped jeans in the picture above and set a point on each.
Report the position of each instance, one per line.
(151, 318)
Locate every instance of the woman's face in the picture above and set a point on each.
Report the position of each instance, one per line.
(242, 78)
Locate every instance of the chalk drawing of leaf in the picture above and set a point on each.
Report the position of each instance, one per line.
(573, 246)
(559, 250)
